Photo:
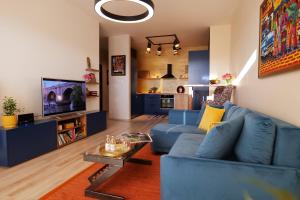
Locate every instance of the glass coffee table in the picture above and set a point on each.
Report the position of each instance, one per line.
(112, 164)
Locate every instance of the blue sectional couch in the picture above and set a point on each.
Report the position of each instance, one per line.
(184, 175)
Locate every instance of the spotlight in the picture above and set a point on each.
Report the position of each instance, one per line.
(148, 47)
(175, 50)
(176, 44)
(158, 50)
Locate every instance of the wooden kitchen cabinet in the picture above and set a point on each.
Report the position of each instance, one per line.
(182, 101)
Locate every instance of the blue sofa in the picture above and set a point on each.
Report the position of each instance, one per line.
(187, 176)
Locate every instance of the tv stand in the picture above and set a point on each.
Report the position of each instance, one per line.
(23, 143)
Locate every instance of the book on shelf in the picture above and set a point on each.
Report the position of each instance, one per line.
(137, 137)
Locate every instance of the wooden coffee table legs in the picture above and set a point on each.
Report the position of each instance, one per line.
(103, 174)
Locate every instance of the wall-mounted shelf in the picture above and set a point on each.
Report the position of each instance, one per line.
(91, 70)
(92, 83)
(91, 96)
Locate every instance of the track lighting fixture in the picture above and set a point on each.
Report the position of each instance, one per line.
(148, 47)
(169, 40)
(159, 50)
(175, 50)
(177, 43)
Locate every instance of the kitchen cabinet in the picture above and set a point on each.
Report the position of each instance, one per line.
(198, 67)
(137, 104)
(199, 75)
(152, 104)
(181, 101)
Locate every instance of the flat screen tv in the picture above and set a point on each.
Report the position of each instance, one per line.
(63, 96)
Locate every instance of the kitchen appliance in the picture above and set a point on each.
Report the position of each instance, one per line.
(169, 74)
(167, 101)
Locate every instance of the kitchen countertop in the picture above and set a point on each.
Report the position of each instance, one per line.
(163, 93)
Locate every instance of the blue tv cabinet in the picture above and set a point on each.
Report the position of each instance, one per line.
(27, 142)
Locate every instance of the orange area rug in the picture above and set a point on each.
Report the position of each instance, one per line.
(134, 181)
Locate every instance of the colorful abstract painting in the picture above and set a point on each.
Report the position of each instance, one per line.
(279, 36)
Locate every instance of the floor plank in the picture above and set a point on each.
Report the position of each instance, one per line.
(33, 179)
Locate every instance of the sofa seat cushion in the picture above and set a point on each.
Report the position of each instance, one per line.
(287, 147)
(219, 142)
(186, 145)
(256, 142)
(165, 135)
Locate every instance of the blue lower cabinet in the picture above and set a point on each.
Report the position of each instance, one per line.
(96, 122)
(27, 142)
(152, 105)
(137, 104)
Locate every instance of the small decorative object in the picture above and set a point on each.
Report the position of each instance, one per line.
(60, 127)
(118, 65)
(214, 81)
(88, 61)
(90, 78)
(180, 89)
(153, 90)
(9, 118)
(279, 46)
(228, 78)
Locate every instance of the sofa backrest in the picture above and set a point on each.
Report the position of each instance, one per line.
(286, 151)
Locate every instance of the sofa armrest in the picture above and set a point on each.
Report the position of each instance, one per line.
(195, 178)
(186, 117)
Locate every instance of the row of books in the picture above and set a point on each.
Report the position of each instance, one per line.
(69, 137)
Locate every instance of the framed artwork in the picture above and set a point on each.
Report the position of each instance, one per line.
(279, 42)
(118, 65)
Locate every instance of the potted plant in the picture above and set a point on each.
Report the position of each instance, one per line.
(9, 118)
(228, 78)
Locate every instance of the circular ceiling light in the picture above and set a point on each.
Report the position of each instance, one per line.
(148, 4)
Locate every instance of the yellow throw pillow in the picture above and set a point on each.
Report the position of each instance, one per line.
(211, 115)
(212, 125)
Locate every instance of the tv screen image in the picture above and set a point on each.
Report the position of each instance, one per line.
(63, 96)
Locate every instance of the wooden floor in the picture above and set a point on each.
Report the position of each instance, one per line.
(36, 177)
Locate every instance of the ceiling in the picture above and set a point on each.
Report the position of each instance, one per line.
(189, 19)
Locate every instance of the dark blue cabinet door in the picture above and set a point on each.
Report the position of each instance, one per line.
(198, 67)
(96, 122)
(25, 143)
(152, 104)
(139, 104)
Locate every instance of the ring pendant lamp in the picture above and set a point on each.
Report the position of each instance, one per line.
(148, 4)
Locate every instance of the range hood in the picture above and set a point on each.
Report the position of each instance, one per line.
(169, 74)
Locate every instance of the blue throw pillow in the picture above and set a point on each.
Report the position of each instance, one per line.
(287, 147)
(236, 111)
(255, 144)
(220, 140)
(227, 106)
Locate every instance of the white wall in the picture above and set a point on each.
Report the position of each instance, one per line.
(48, 38)
(219, 50)
(119, 86)
(276, 95)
